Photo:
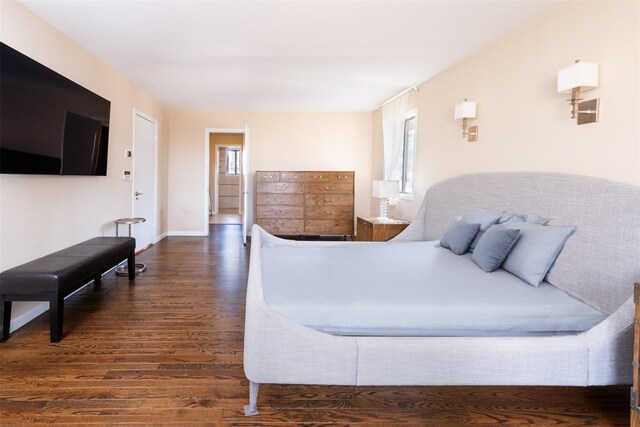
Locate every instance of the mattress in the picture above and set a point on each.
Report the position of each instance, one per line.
(411, 289)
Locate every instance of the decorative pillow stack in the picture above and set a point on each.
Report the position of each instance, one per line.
(520, 243)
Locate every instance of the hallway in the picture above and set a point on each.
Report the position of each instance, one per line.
(226, 216)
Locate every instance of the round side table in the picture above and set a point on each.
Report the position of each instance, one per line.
(122, 269)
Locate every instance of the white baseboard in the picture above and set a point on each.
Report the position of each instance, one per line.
(187, 233)
(28, 316)
(162, 236)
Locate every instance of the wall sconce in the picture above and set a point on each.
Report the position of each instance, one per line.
(467, 110)
(576, 78)
(385, 190)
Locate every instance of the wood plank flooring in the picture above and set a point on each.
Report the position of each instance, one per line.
(168, 350)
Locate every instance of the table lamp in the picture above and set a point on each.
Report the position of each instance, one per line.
(385, 190)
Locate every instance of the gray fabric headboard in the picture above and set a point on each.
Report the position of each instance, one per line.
(599, 263)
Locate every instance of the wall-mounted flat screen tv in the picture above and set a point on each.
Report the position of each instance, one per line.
(49, 124)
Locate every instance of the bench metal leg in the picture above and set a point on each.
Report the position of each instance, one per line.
(5, 318)
(56, 312)
(252, 408)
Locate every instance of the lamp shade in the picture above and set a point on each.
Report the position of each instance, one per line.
(385, 189)
(465, 110)
(583, 75)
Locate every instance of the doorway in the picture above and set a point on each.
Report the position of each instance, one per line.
(225, 172)
(145, 138)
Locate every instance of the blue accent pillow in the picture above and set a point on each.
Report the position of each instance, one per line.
(459, 236)
(536, 250)
(494, 246)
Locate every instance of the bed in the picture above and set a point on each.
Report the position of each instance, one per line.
(585, 305)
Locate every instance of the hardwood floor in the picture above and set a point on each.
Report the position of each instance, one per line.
(168, 350)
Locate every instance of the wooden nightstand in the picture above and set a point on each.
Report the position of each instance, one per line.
(375, 230)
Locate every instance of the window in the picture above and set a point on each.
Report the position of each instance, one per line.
(408, 155)
(399, 141)
(403, 171)
(233, 161)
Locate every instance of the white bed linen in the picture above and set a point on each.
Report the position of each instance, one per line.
(411, 289)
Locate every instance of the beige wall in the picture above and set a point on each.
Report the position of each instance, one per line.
(42, 214)
(524, 123)
(278, 141)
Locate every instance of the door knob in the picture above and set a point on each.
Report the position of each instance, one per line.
(137, 193)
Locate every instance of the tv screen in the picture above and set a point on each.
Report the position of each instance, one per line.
(49, 124)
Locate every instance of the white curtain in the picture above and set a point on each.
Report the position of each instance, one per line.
(393, 117)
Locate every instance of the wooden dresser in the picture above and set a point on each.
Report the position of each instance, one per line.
(305, 203)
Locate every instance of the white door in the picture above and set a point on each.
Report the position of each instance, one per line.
(245, 185)
(144, 179)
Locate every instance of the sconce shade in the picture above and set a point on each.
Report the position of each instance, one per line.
(385, 189)
(465, 110)
(583, 75)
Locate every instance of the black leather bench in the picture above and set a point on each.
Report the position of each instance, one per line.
(53, 277)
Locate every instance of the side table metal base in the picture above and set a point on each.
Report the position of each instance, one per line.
(123, 270)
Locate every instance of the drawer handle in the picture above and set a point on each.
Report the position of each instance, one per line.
(329, 187)
(281, 187)
(279, 200)
(328, 212)
(280, 212)
(328, 200)
(342, 176)
(317, 176)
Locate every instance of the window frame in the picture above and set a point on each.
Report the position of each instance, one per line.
(410, 115)
(237, 161)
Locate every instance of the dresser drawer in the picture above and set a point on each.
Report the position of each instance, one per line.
(329, 226)
(341, 177)
(275, 212)
(329, 212)
(317, 176)
(279, 199)
(329, 187)
(262, 176)
(329, 200)
(282, 226)
(280, 187)
(292, 176)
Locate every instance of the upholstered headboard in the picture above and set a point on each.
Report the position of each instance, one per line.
(599, 263)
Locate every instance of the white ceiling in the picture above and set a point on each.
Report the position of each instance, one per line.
(283, 55)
